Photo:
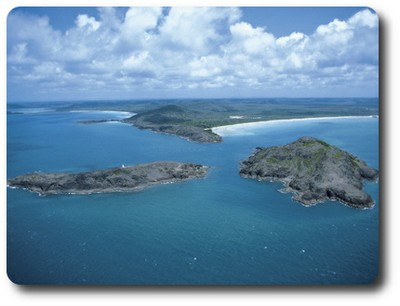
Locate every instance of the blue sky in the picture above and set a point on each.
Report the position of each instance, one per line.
(211, 52)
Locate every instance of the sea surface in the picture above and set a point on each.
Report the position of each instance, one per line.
(219, 230)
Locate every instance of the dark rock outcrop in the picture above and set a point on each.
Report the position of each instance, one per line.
(313, 171)
(129, 178)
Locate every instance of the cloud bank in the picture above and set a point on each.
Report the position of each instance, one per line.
(193, 52)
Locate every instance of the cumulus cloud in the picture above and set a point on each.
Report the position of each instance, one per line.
(196, 29)
(249, 40)
(190, 49)
(90, 23)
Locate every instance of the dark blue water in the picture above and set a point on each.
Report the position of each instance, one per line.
(220, 230)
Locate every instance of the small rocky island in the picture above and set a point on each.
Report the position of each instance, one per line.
(129, 178)
(174, 120)
(313, 171)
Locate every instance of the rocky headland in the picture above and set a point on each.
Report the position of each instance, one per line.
(313, 171)
(125, 178)
(174, 120)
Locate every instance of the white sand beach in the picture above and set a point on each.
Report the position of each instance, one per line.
(121, 114)
(247, 128)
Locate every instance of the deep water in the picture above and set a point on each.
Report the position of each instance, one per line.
(219, 230)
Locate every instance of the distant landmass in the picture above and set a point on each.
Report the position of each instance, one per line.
(125, 178)
(313, 171)
(209, 113)
(194, 119)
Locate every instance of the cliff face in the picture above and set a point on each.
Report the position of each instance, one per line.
(128, 178)
(174, 120)
(313, 171)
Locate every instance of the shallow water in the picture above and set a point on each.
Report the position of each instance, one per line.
(219, 230)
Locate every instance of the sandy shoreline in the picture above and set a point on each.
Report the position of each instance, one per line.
(232, 129)
(121, 113)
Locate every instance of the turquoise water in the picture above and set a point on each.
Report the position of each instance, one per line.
(219, 230)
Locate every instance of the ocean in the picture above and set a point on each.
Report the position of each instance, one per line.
(220, 230)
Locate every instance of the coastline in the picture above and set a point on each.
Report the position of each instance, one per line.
(232, 129)
(107, 190)
(117, 179)
(117, 113)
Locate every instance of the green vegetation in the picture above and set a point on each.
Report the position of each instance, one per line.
(354, 160)
(312, 143)
(320, 153)
(305, 164)
(326, 145)
(193, 119)
(272, 160)
(338, 155)
(119, 171)
(208, 113)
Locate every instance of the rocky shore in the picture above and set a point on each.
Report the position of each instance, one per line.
(313, 171)
(129, 178)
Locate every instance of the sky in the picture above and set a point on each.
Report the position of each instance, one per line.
(78, 53)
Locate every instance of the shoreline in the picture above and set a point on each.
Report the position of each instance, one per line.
(107, 190)
(117, 179)
(240, 126)
(111, 112)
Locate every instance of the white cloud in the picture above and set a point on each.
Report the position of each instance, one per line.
(336, 26)
(136, 61)
(364, 18)
(46, 70)
(19, 53)
(188, 48)
(291, 39)
(138, 21)
(35, 34)
(251, 40)
(88, 22)
(196, 29)
(206, 67)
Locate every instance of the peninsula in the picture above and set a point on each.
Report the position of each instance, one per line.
(196, 120)
(313, 171)
(174, 120)
(129, 178)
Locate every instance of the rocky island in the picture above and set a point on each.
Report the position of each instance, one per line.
(313, 171)
(129, 178)
(174, 120)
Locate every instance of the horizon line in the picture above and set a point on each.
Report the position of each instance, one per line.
(192, 98)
